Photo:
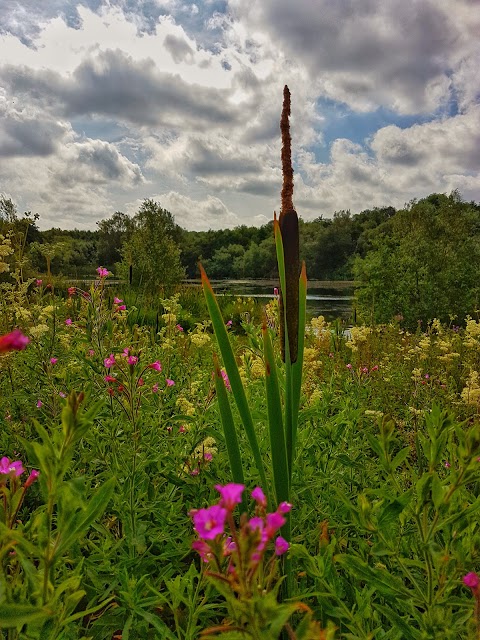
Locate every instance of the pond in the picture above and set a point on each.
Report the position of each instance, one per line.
(331, 299)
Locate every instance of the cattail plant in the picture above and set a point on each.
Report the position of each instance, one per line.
(282, 408)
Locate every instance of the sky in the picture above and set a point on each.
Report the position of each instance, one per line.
(106, 103)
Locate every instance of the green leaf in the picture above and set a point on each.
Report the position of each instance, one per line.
(233, 373)
(400, 457)
(16, 615)
(405, 627)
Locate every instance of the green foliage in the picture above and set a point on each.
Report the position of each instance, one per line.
(422, 264)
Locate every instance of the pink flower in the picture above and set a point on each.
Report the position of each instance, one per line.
(122, 307)
(132, 360)
(274, 522)
(275, 292)
(203, 550)
(62, 395)
(102, 272)
(13, 341)
(71, 291)
(178, 327)
(31, 478)
(229, 323)
(256, 523)
(157, 366)
(68, 322)
(9, 466)
(231, 494)
(259, 497)
(284, 507)
(374, 368)
(427, 376)
(117, 300)
(182, 429)
(207, 456)
(91, 352)
(281, 546)
(364, 369)
(53, 360)
(125, 352)
(155, 388)
(110, 379)
(471, 580)
(110, 361)
(209, 523)
(39, 404)
(194, 472)
(38, 282)
(226, 380)
(140, 382)
(447, 464)
(349, 366)
(169, 383)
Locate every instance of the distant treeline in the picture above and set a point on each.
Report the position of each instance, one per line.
(416, 263)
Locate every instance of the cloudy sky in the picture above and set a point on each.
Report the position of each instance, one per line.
(103, 104)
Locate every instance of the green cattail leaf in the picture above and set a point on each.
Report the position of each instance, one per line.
(229, 430)
(297, 367)
(233, 373)
(275, 421)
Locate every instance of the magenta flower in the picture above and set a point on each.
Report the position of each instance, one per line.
(155, 388)
(169, 383)
(110, 361)
(117, 300)
(275, 292)
(284, 507)
(39, 404)
(121, 307)
(229, 323)
(226, 380)
(231, 494)
(110, 379)
(13, 341)
(274, 522)
(91, 352)
(364, 369)
(102, 272)
(140, 382)
(209, 523)
(71, 291)
(31, 478)
(374, 368)
(207, 456)
(471, 580)
(62, 395)
(132, 360)
(259, 497)
(182, 429)
(281, 546)
(68, 322)
(53, 360)
(38, 282)
(256, 523)
(179, 327)
(8, 466)
(349, 366)
(157, 366)
(125, 352)
(203, 550)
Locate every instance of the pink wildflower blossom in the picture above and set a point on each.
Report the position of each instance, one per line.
(71, 291)
(117, 300)
(169, 383)
(110, 361)
(226, 380)
(179, 327)
(259, 497)
(209, 523)
(53, 360)
(203, 550)
(91, 352)
(8, 466)
(274, 522)
(125, 352)
(68, 322)
(140, 382)
(31, 478)
(447, 464)
(229, 323)
(256, 523)
(284, 507)
(364, 369)
(39, 404)
(207, 456)
(38, 282)
(349, 366)
(157, 366)
(110, 379)
(471, 580)
(281, 546)
(374, 368)
(13, 341)
(132, 360)
(62, 395)
(121, 307)
(231, 494)
(275, 292)
(102, 272)
(182, 429)
(155, 388)
(194, 472)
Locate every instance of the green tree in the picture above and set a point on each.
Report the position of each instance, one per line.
(422, 264)
(151, 255)
(113, 232)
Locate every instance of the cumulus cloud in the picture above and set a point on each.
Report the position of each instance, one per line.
(198, 215)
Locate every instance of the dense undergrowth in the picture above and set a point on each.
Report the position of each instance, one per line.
(121, 419)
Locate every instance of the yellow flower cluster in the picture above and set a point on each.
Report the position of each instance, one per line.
(358, 335)
(471, 392)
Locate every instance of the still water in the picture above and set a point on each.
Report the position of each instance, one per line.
(332, 299)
